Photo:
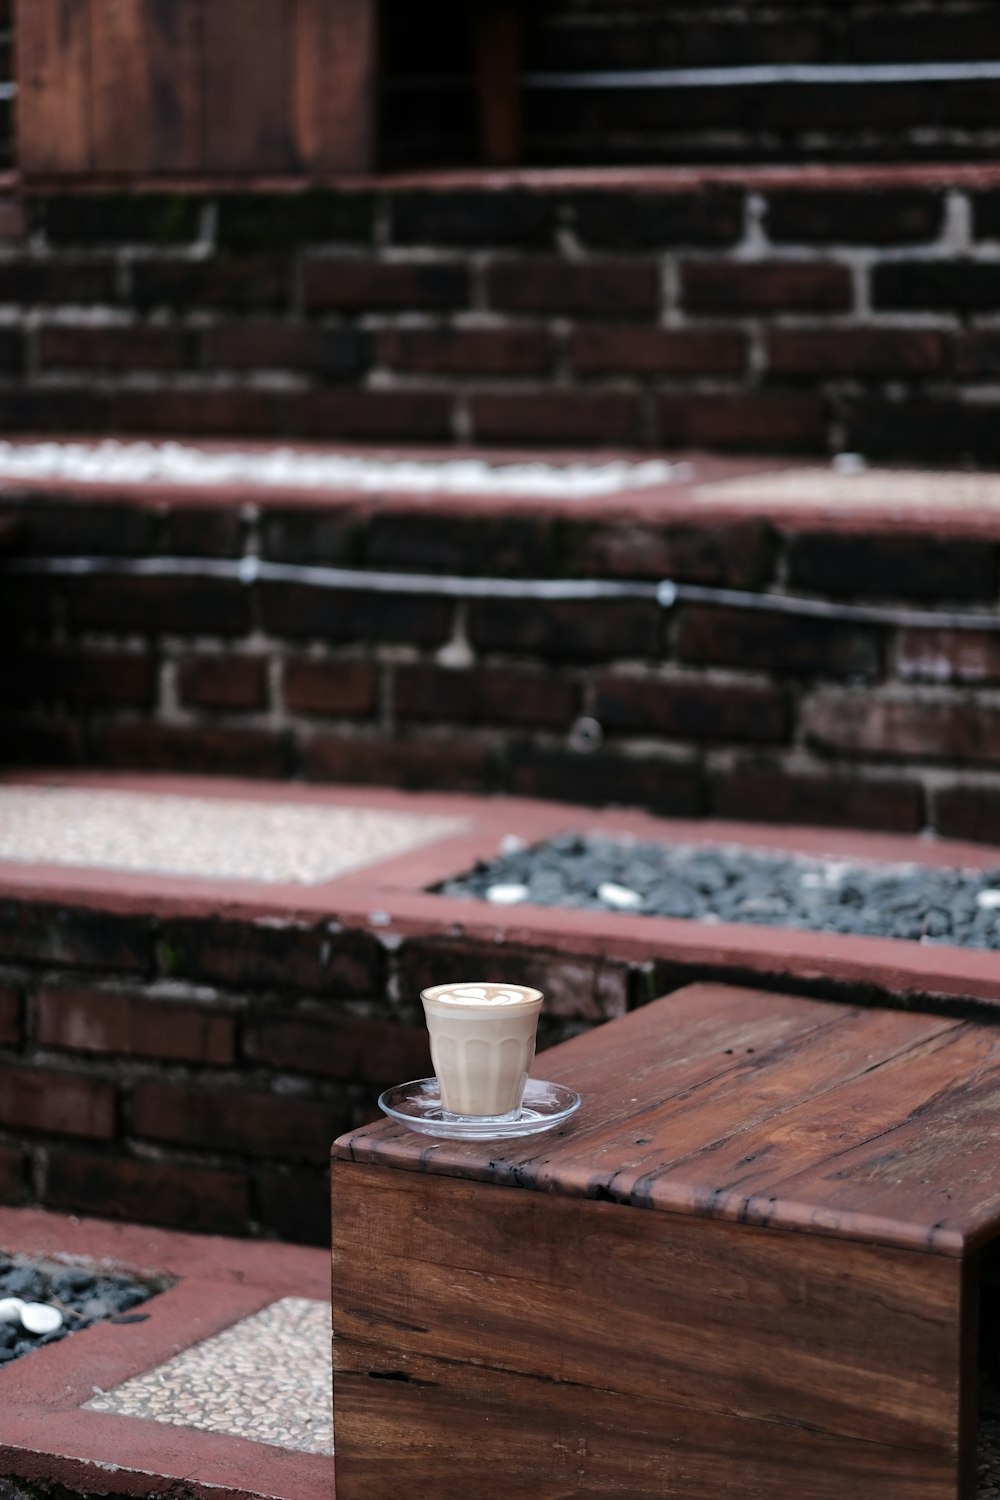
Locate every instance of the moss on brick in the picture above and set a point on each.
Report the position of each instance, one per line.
(117, 218)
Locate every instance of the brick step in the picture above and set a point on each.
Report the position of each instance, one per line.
(704, 708)
(182, 1047)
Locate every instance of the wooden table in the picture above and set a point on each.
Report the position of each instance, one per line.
(749, 1267)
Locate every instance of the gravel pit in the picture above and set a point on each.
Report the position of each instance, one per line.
(958, 908)
(82, 1294)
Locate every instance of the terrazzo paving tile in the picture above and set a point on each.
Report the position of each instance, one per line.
(267, 1378)
(201, 836)
(868, 487)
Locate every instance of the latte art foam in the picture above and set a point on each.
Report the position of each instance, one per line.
(483, 994)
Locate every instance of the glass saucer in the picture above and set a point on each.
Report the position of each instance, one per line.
(418, 1106)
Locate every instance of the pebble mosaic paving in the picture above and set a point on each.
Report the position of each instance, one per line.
(165, 834)
(267, 1378)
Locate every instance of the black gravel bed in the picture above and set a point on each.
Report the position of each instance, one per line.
(960, 908)
(84, 1294)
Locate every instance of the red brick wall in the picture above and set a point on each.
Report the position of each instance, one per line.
(705, 709)
(853, 309)
(193, 1073)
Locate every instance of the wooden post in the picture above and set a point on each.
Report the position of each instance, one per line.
(335, 85)
(497, 48)
(52, 39)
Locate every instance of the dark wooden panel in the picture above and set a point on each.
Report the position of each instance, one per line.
(247, 46)
(528, 1344)
(334, 85)
(53, 72)
(146, 81)
(497, 48)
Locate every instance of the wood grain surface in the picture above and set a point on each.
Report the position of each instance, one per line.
(492, 1343)
(146, 86)
(879, 1126)
(334, 88)
(52, 40)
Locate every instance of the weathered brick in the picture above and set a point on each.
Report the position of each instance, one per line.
(132, 1025)
(59, 1103)
(550, 284)
(369, 414)
(85, 528)
(214, 413)
(118, 218)
(184, 606)
(956, 285)
(471, 217)
(11, 350)
(948, 655)
(293, 1205)
(467, 351)
(290, 954)
(55, 409)
(13, 220)
(772, 795)
(201, 1199)
(935, 430)
(336, 353)
(440, 541)
(268, 221)
(311, 536)
(852, 216)
(670, 787)
(956, 730)
(415, 765)
(565, 630)
(79, 677)
(591, 988)
(222, 682)
(754, 421)
(692, 710)
(13, 1162)
(724, 286)
(312, 686)
(608, 417)
(777, 644)
(10, 1017)
(856, 351)
(917, 567)
(609, 349)
(738, 554)
(84, 347)
(201, 531)
(39, 741)
(77, 282)
(963, 811)
(647, 221)
(977, 353)
(285, 1127)
(350, 615)
(369, 284)
(231, 282)
(41, 932)
(986, 215)
(340, 1046)
(210, 752)
(426, 692)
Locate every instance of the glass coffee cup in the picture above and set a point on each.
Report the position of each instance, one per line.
(482, 1039)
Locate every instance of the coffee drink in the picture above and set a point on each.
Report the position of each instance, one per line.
(482, 1044)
